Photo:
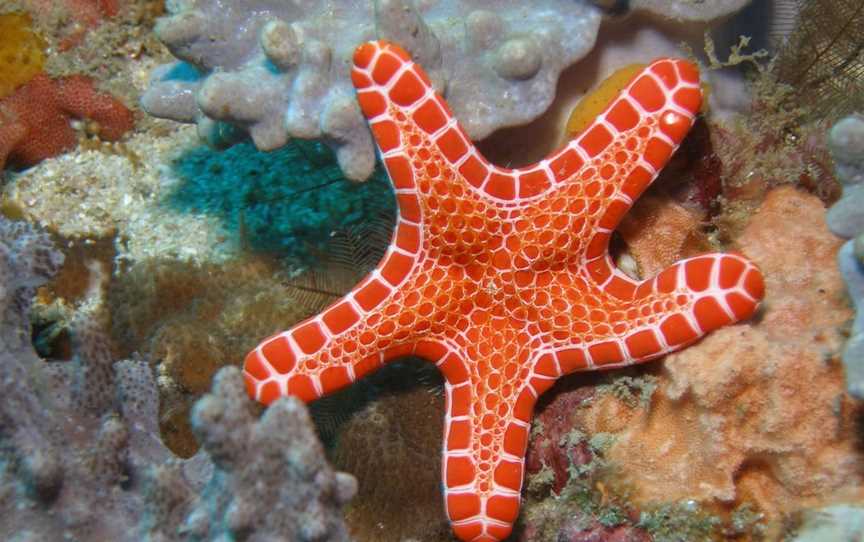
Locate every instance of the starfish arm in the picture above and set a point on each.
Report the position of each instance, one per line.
(403, 110)
(611, 162)
(483, 457)
(354, 336)
(677, 307)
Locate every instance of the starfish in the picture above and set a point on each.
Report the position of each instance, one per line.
(502, 277)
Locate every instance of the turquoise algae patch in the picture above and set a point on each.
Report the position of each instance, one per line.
(287, 202)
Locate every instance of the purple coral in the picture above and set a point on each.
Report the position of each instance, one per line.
(281, 69)
(80, 454)
(271, 477)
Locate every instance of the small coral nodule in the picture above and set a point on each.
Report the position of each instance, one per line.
(503, 277)
(35, 120)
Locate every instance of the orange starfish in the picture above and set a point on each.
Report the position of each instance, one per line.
(502, 277)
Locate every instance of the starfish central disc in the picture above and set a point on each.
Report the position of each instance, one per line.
(502, 277)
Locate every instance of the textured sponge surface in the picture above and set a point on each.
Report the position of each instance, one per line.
(22, 52)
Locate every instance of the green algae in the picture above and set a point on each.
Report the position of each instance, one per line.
(633, 391)
(680, 522)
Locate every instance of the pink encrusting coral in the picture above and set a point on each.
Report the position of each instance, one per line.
(35, 120)
(502, 277)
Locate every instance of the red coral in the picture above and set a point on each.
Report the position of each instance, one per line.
(548, 448)
(35, 119)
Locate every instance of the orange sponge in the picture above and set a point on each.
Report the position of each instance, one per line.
(35, 119)
(22, 52)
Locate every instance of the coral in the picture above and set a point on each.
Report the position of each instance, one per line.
(846, 142)
(80, 436)
(659, 232)
(395, 433)
(838, 522)
(287, 202)
(755, 412)
(689, 10)
(22, 52)
(766, 148)
(192, 319)
(64, 450)
(270, 477)
(679, 522)
(35, 119)
(280, 71)
(552, 450)
(567, 523)
(80, 16)
(87, 13)
(495, 294)
(567, 499)
(846, 219)
(27, 260)
(851, 262)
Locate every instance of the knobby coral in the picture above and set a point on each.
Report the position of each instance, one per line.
(80, 436)
(846, 219)
(280, 70)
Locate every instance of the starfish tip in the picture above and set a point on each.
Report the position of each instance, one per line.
(364, 54)
(688, 70)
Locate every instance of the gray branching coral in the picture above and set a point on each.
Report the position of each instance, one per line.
(846, 219)
(80, 456)
(281, 70)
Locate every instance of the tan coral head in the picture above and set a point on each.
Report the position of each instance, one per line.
(502, 277)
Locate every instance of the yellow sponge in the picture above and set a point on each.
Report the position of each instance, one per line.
(22, 52)
(590, 107)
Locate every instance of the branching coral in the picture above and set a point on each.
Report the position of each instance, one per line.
(281, 70)
(846, 219)
(80, 436)
(276, 460)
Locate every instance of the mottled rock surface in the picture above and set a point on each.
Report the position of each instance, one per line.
(690, 10)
